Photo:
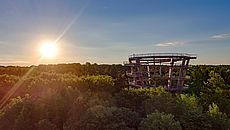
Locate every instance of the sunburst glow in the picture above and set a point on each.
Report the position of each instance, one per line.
(48, 50)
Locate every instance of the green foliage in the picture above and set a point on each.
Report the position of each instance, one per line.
(216, 82)
(133, 98)
(10, 112)
(214, 110)
(91, 96)
(215, 90)
(201, 73)
(195, 120)
(186, 103)
(108, 118)
(191, 115)
(163, 103)
(218, 119)
(159, 121)
(219, 122)
(26, 118)
(6, 82)
(189, 100)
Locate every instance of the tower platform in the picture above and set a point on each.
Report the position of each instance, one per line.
(159, 69)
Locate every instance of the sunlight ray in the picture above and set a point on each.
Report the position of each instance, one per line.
(66, 29)
(10, 93)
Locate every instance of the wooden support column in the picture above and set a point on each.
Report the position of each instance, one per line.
(185, 70)
(139, 73)
(154, 74)
(149, 76)
(160, 69)
(181, 76)
(170, 73)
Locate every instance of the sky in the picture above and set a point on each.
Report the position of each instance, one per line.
(107, 31)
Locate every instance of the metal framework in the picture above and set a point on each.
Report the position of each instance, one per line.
(158, 69)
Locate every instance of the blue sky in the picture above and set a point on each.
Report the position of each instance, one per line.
(107, 31)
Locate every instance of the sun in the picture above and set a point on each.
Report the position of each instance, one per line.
(48, 50)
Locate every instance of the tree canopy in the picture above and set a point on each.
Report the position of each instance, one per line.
(91, 96)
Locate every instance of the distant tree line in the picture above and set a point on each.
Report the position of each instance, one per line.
(91, 96)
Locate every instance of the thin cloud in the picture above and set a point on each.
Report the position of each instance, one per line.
(14, 61)
(221, 36)
(2, 42)
(175, 43)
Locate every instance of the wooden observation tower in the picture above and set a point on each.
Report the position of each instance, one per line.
(159, 69)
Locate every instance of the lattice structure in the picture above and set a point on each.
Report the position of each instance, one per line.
(159, 69)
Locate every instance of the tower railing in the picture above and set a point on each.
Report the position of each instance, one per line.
(162, 54)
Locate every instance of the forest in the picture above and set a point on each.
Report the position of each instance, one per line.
(96, 97)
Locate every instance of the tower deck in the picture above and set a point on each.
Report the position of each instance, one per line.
(159, 69)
